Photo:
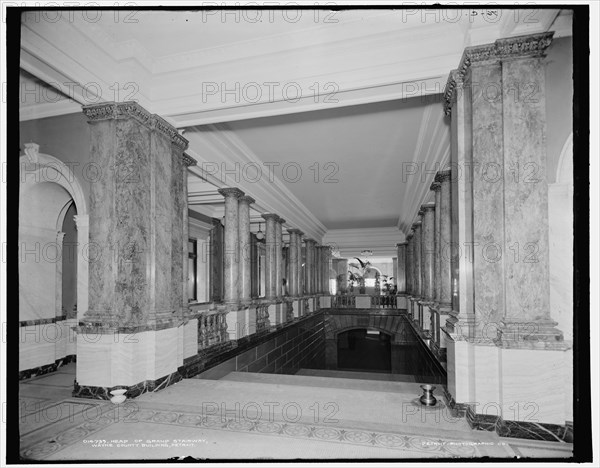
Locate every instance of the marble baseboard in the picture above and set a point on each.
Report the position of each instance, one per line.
(42, 321)
(133, 391)
(519, 429)
(48, 368)
(457, 410)
(112, 326)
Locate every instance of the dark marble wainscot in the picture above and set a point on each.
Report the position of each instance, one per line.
(47, 368)
(520, 429)
(133, 391)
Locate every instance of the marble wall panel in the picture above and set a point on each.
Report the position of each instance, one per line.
(533, 386)
(190, 338)
(488, 197)
(131, 235)
(525, 189)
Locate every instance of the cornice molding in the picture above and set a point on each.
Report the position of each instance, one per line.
(532, 45)
(131, 109)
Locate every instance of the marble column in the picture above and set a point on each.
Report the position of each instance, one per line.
(409, 262)
(418, 279)
(427, 250)
(279, 257)
(436, 187)
(342, 272)
(309, 266)
(293, 283)
(444, 246)
(326, 267)
(232, 244)
(300, 271)
(270, 255)
(401, 272)
(245, 254)
(317, 268)
(136, 283)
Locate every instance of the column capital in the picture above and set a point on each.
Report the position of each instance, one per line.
(533, 45)
(267, 216)
(435, 186)
(246, 199)
(443, 176)
(294, 231)
(231, 192)
(310, 240)
(188, 160)
(131, 109)
(410, 235)
(427, 207)
(281, 221)
(417, 224)
(400, 244)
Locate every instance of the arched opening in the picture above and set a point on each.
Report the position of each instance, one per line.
(52, 271)
(364, 349)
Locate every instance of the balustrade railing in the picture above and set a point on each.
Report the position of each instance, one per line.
(383, 302)
(343, 302)
(212, 329)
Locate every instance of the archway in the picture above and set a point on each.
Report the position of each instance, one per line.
(364, 349)
(52, 207)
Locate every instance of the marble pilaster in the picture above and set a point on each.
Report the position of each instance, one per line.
(232, 244)
(245, 254)
(270, 255)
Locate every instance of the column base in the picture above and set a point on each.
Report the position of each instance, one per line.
(515, 384)
(535, 334)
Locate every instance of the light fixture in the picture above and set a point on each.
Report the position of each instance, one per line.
(260, 235)
(366, 253)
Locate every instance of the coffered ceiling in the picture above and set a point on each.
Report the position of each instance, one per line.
(349, 97)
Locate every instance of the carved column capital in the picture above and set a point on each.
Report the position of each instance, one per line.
(231, 192)
(443, 176)
(246, 199)
(267, 216)
(533, 45)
